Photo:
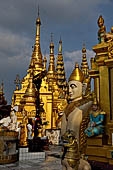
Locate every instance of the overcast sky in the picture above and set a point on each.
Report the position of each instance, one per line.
(74, 20)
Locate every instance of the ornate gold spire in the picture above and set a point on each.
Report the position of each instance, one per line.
(84, 64)
(51, 75)
(51, 45)
(100, 21)
(38, 23)
(60, 71)
(36, 60)
(17, 82)
(76, 74)
(102, 30)
(60, 47)
(51, 68)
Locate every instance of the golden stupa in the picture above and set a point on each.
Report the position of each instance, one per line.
(24, 99)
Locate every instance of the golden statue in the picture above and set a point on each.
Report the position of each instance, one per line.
(96, 124)
(71, 153)
(102, 30)
(23, 130)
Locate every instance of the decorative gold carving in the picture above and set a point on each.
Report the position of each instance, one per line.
(110, 50)
(102, 30)
(70, 145)
(17, 82)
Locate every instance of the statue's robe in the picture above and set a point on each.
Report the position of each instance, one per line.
(72, 119)
(73, 116)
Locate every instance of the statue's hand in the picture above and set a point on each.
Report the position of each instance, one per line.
(93, 124)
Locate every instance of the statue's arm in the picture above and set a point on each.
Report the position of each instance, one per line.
(101, 119)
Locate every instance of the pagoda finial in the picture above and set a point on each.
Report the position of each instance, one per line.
(51, 62)
(38, 23)
(102, 30)
(51, 37)
(60, 46)
(51, 45)
(38, 10)
(17, 82)
(84, 49)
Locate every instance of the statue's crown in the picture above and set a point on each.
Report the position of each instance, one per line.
(76, 74)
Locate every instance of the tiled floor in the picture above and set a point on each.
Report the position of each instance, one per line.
(52, 162)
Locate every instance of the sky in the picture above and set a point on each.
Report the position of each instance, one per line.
(75, 21)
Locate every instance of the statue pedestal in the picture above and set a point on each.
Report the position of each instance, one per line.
(95, 149)
(8, 145)
(99, 153)
(95, 141)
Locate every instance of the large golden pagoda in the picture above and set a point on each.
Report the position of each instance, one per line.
(48, 92)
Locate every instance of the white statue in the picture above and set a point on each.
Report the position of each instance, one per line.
(5, 122)
(73, 116)
(30, 129)
(13, 124)
(9, 122)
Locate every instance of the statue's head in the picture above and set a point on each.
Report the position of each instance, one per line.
(69, 137)
(75, 83)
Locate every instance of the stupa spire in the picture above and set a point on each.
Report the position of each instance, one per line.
(36, 63)
(60, 71)
(51, 75)
(51, 62)
(60, 47)
(38, 23)
(17, 81)
(84, 64)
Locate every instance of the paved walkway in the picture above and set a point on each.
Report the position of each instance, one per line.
(52, 162)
